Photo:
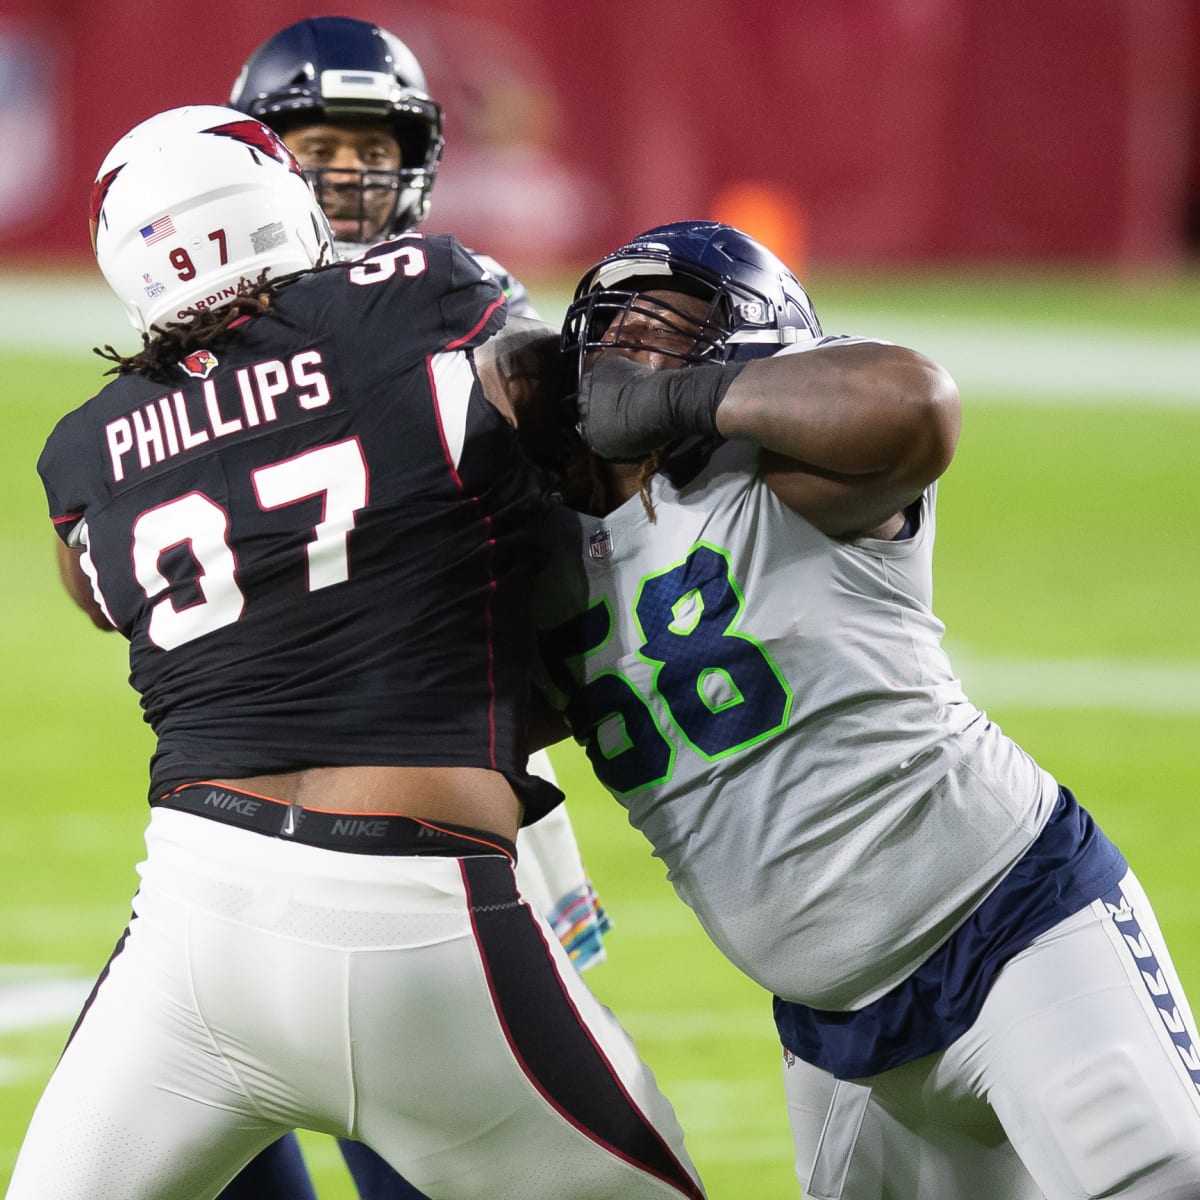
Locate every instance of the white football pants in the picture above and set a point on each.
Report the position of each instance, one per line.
(1081, 1078)
(414, 1003)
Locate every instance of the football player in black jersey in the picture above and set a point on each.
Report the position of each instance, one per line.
(351, 101)
(304, 504)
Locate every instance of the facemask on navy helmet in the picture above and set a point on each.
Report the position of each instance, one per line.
(332, 69)
(755, 304)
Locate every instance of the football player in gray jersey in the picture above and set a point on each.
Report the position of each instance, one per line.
(971, 990)
(350, 100)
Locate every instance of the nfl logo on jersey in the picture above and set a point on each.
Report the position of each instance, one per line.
(600, 544)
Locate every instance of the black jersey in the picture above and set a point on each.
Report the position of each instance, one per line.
(317, 535)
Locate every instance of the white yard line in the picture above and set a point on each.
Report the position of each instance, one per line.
(1019, 361)
(26, 1003)
(1026, 361)
(61, 313)
(31, 998)
(1113, 685)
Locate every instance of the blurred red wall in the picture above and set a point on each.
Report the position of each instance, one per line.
(867, 131)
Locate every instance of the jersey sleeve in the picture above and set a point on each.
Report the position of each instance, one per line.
(62, 463)
(515, 293)
(429, 291)
(473, 305)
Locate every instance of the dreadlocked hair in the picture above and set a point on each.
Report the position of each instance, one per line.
(650, 467)
(165, 346)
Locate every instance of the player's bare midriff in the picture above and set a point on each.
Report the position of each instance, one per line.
(471, 796)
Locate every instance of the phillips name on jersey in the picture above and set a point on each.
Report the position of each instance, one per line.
(333, 455)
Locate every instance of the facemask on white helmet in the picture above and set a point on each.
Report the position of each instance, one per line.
(192, 206)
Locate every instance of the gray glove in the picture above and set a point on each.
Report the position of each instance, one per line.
(627, 410)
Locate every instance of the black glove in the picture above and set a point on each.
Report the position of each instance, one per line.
(627, 410)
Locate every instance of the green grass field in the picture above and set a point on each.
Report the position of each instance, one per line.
(1068, 574)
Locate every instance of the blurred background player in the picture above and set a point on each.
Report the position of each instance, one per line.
(972, 989)
(350, 100)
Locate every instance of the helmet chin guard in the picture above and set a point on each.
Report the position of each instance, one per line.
(193, 206)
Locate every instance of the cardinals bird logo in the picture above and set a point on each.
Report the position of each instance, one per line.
(200, 364)
(99, 195)
(260, 140)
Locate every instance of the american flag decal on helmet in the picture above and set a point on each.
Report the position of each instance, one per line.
(164, 227)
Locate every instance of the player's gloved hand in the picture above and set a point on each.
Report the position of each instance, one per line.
(627, 410)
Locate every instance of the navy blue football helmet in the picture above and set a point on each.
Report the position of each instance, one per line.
(756, 304)
(337, 68)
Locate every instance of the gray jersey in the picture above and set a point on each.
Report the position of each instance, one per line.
(516, 295)
(776, 713)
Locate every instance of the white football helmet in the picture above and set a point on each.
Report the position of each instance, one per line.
(190, 208)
